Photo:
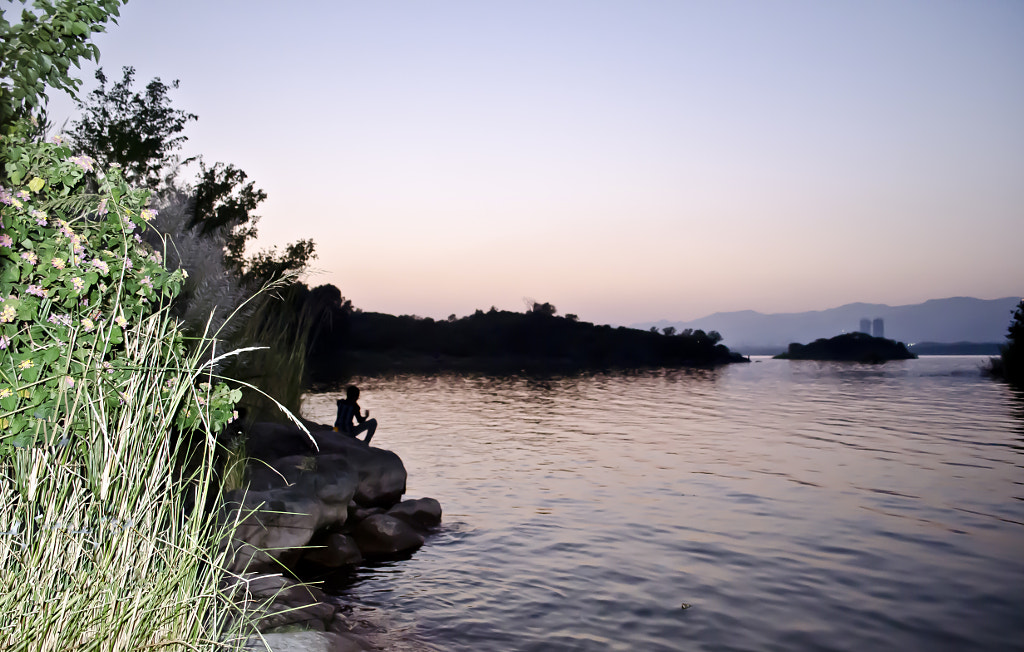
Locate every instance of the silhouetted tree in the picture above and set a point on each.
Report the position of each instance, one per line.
(141, 132)
(669, 331)
(138, 131)
(545, 309)
(223, 203)
(1010, 363)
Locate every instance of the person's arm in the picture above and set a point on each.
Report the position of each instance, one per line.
(360, 417)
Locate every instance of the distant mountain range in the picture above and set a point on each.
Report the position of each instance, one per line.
(957, 319)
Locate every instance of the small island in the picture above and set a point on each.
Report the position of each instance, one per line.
(849, 347)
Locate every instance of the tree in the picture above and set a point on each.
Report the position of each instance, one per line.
(544, 309)
(1010, 363)
(142, 132)
(138, 131)
(267, 265)
(224, 203)
(669, 331)
(38, 51)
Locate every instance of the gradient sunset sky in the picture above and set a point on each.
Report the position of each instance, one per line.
(625, 161)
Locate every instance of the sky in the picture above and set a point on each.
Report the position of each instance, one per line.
(625, 161)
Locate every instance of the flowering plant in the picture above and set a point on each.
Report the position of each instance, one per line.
(78, 291)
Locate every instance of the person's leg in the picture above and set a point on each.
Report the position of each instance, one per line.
(369, 427)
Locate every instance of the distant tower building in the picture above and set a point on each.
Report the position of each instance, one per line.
(878, 327)
(865, 326)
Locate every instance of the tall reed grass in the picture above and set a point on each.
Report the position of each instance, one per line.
(105, 542)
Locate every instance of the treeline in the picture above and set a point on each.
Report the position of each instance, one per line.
(343, 340)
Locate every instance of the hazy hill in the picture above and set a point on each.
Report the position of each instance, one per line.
(957, 319)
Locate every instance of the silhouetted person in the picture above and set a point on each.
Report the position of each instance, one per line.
(348, 413)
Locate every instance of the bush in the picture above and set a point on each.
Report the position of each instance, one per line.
(103, 540)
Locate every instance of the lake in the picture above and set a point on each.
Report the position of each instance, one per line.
(787, 505)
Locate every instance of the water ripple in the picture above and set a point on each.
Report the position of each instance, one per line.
(792, 505)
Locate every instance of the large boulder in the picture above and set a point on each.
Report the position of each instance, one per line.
(279, 452)
(285, 506)
(271, 441)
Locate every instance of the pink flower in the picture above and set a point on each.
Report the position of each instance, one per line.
(37, 291)
(147, 282)
(100, 265)
(57, 262)
(5, 241)
(31, 257)
(4, 341)
(84, 162)
(78, 284)
(62, 320)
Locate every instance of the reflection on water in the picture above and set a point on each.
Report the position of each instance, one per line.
(794, 505)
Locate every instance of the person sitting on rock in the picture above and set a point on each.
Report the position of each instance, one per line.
(348, 411)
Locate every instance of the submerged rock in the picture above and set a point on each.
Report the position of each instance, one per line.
(307, 642)
(421, 513)
(384, 535)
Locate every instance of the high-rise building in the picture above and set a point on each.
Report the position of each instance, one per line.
(865, 326)
(878, 327)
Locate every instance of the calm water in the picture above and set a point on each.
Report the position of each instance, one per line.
(793, 505)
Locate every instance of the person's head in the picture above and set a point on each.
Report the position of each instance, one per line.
(352, 393)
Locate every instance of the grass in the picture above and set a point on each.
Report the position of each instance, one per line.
(105, 543)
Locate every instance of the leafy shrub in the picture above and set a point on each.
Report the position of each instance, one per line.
(76, 279)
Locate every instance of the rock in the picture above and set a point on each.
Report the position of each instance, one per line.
(277, 602)
(268, 527)
(381, 474)
(338, 550)
(288, 502)
(304, 642)
(422, 513)
(271, 441)
(382, 535)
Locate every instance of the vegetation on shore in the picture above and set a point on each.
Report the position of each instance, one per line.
(110, 401)
(1010, 363)
(497, 340)
(849, 347)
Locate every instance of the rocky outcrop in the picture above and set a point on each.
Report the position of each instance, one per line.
(323, 499)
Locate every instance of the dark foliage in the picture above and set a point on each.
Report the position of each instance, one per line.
(849, 347)
(1010, 363)
(138, 131)
(142, 132)
(491, 340)
(223, 203)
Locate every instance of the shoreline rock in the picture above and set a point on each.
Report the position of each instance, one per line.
(330, 505)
